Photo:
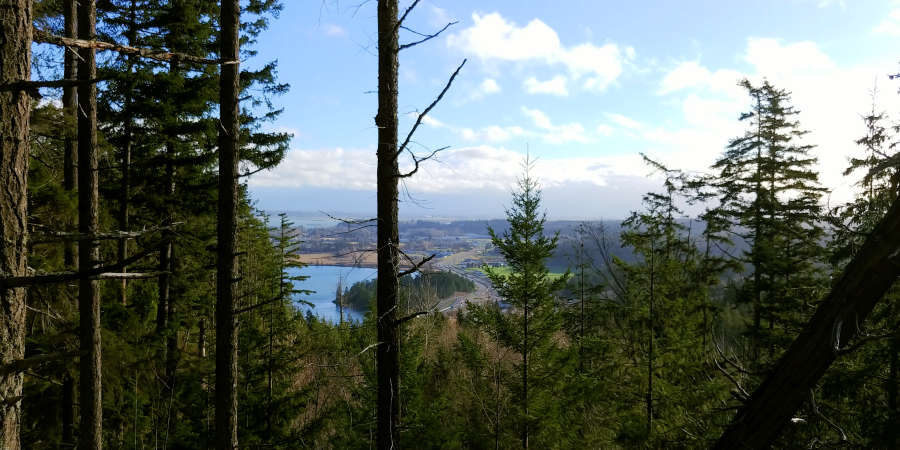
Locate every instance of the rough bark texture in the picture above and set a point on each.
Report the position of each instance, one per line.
(70, 104)
(388, 353)
(91, 429)
(837, 320)
(226, 270)
(15, 64)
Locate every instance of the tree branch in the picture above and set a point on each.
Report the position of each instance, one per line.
(9, 282)
(427, 37)
(32, 362)
(428, 109)
(412, 316)
(417, 161)
(403, 17)
(53, 236)
(155, 54)
(415, 266)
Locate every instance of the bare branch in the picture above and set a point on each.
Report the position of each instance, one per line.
(403, 17)
(32, 86)
(428, 109)
(32, 362)
(417, 161)
(155, 54)
(54, 236)
(349, 221)
(412, 316)
(416, 266)
(8, 282)
(427, 37)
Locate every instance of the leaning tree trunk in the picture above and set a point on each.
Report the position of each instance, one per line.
(91, 429)
(388, 351)
(864, 282)
(15, 65)
(229, 133)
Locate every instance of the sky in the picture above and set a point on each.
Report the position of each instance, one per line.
(583, 87)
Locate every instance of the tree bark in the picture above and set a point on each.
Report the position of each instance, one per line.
(388, 350)
(15, 64)
(837, 320)
(91, 429)
(70, 105)
(226, 263)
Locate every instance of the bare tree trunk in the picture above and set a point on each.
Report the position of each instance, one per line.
(125, 191)
(226, 263)
(388, 350)
(91, 430)
(70, 181)
(70, 105)
(864, 282)
(15, 64)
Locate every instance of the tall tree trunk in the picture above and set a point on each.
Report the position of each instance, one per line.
(128, 130)
(837, 320)
(88, 252)
(70, 181)
(388, 350)
(15, 65)
(226, 228)
(165, 319)
(70, 105)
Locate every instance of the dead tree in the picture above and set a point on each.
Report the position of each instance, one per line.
(15, 64)
(388, 250)
(226, 229)
(836, 322)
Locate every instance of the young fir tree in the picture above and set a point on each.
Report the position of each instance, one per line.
(530, 327)
(770, 195)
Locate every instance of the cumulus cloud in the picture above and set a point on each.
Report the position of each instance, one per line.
(457, 169)
(489, 86)
(553, 86)
(493, 38)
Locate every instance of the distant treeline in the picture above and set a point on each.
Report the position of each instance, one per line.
(433, 284)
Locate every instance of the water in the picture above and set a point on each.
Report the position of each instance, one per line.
(323, 280)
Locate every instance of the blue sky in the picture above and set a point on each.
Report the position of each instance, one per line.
(584, 86)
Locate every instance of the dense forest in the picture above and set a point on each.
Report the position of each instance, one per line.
(426, 286)
(147, 303)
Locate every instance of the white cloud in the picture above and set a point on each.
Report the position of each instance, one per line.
(556, 134)
(553, 86)
(333, 30)
(890, 25)
(623, 121)
(327, 168)
(489, 86)
(460, 169)
(492, 37)
(830, 99)
(604, 129)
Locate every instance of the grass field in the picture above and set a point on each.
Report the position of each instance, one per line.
(505, 270)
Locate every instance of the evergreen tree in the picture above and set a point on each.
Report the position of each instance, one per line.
(531, 293)
(770, 196)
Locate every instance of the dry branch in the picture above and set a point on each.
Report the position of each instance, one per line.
(155, 54)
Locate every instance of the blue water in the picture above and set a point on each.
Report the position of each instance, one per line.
(323, 280)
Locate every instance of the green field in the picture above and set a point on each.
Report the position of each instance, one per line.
(505, 270)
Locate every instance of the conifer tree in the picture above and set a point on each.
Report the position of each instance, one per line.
(770, 195)
(531, 293)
